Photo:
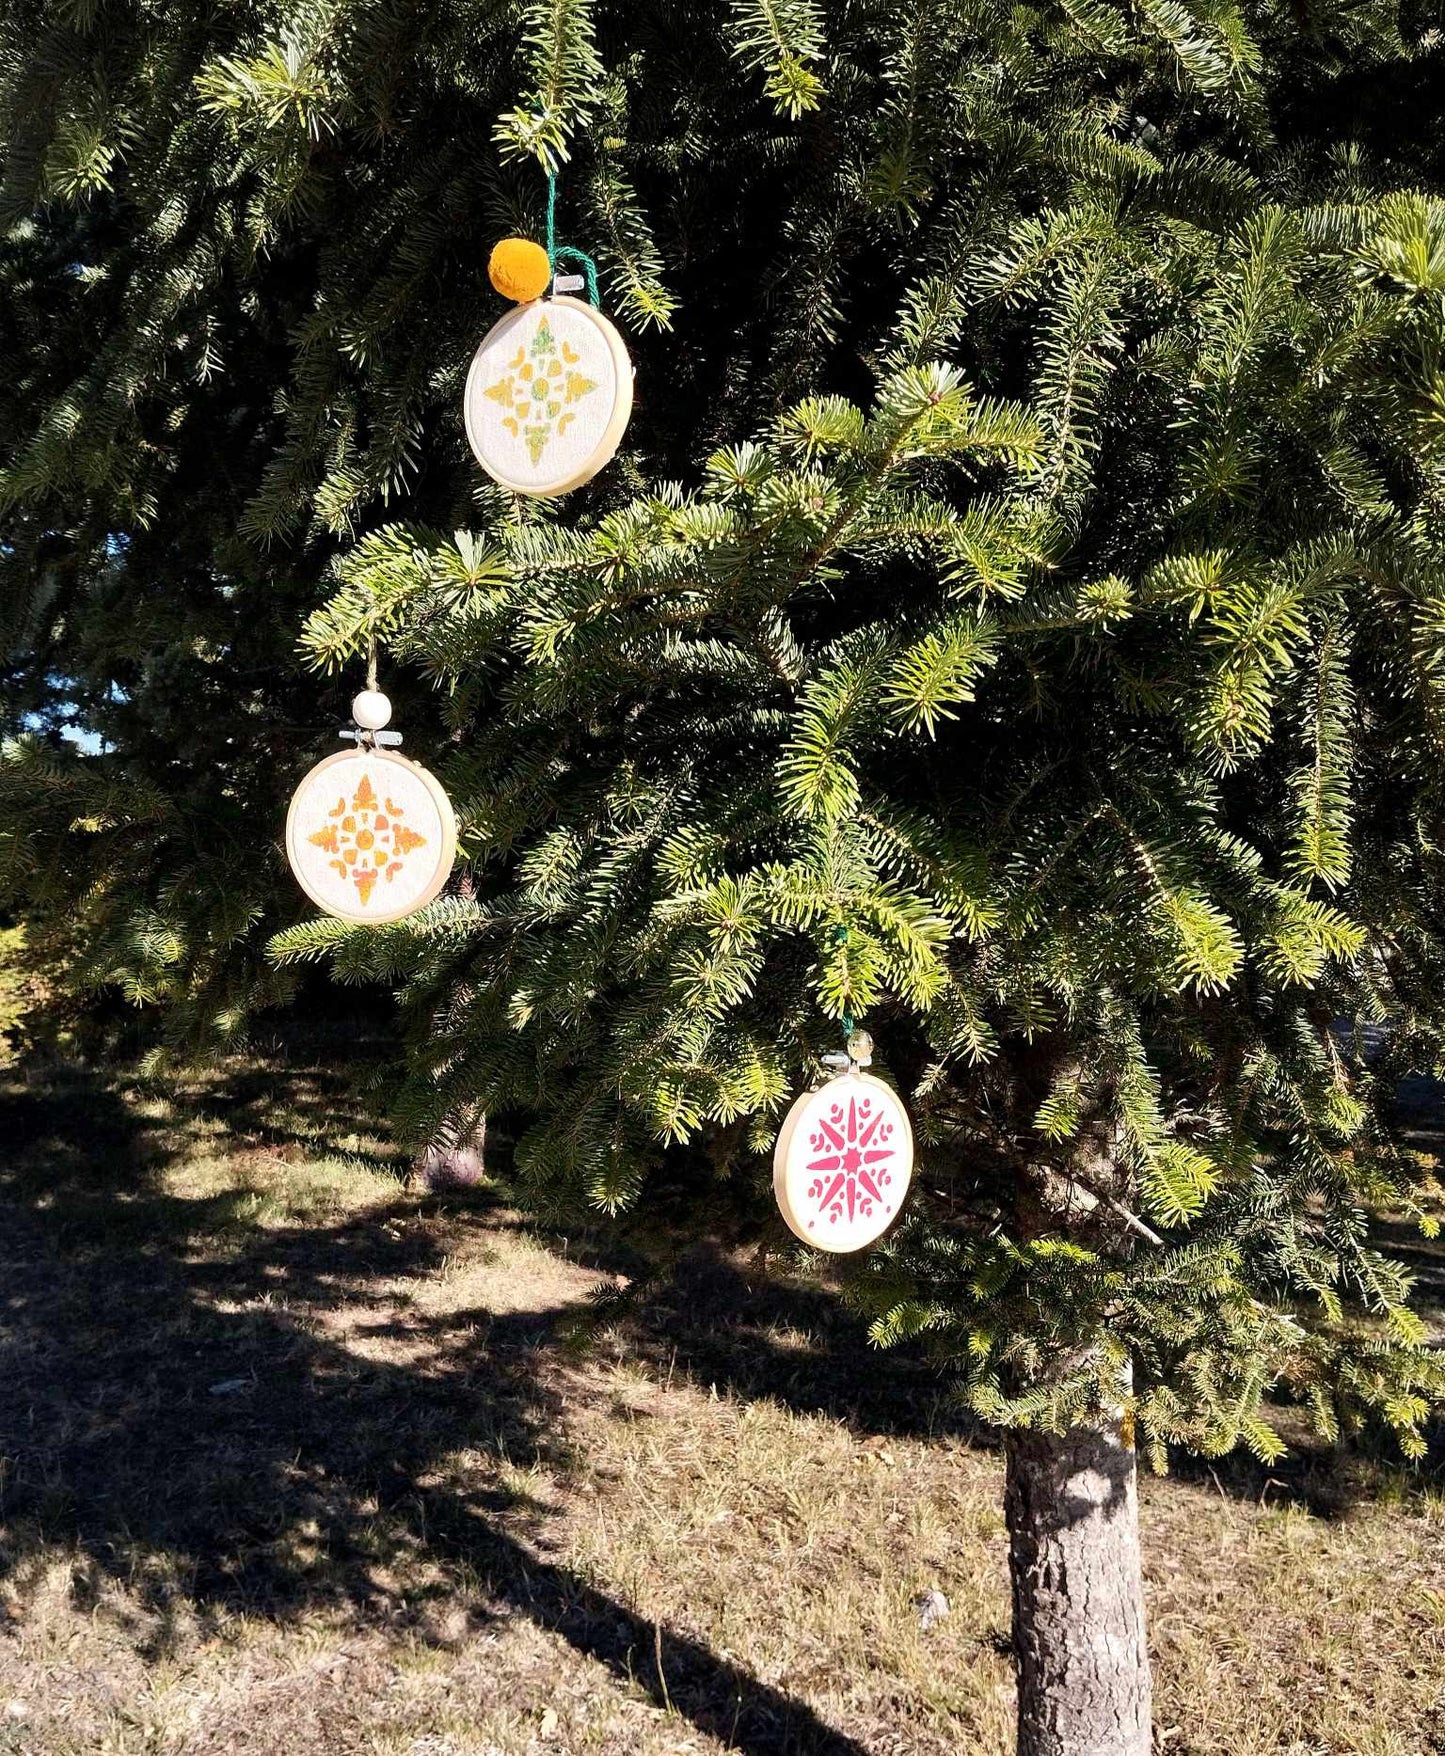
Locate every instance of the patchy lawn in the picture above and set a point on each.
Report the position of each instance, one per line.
(296, 1458)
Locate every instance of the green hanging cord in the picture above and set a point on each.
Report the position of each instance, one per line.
(559, 252)
(552, 217)
(840, 937)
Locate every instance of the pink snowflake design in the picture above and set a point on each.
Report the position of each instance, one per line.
(853, 1146)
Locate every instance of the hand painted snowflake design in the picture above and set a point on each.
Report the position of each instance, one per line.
(854, 1151)
(367, 838)
(538, 390)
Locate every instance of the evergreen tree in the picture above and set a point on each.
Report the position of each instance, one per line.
(152, 698)
(1016, 622)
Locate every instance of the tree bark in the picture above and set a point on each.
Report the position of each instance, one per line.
(1078, 1600)
(455, 1164)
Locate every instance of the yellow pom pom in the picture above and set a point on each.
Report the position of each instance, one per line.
(519, 269)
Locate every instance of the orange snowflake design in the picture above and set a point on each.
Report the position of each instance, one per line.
(368, 840)
(537, 392)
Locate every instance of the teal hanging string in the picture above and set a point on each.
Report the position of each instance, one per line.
(564, 252)
(840, 937)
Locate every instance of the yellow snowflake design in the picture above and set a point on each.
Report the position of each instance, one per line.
(367, 841)
(537, 392)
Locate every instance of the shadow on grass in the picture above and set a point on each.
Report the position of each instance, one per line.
(756, 1335)
(173, 1408)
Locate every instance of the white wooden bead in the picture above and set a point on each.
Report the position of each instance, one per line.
(371, 710)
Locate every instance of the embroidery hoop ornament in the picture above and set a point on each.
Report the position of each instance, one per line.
(551, 364)
(827, 1201)
(348, 840)
(517, 344)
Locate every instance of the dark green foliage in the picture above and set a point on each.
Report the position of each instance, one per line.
(1017, 619)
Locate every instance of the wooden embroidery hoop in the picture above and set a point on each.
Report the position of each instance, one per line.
(611, 436)
(796, 1220)
(446, 857)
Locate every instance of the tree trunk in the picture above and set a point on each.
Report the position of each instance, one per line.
(455, 1164)
(1078, 1599)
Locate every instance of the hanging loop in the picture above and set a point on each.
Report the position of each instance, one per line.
(840, 937)
(370, 710)
(564, 252)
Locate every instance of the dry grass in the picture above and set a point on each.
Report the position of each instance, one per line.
(298, 1459)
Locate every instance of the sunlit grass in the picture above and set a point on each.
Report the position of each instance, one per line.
(299, 1457)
